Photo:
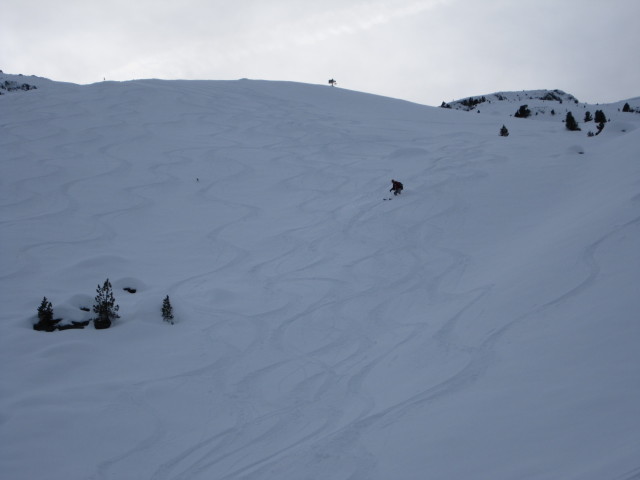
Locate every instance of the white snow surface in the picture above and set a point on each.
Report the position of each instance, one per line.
(483, 325)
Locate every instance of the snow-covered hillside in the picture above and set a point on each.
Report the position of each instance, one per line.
(545, 98)
(482, 325)
(546, 105)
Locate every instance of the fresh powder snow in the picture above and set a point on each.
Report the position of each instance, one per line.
(484, 324)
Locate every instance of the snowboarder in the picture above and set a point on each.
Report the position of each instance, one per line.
(396, 187)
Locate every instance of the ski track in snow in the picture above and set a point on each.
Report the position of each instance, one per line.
(362, 358)
(299, 425)
(312, 401)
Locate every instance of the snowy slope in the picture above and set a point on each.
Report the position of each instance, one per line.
(482, 325)
(545, 105)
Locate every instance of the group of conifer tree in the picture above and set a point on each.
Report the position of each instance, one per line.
(570, 122)
(105, 308)
(600, 119)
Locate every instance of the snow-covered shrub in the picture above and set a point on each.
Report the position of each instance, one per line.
(11, 86)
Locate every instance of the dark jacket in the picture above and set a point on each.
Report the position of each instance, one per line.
(396, 186)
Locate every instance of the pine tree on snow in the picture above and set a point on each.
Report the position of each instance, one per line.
(571, 123)
(105, 306)
(600, 117)
(45, 317)
(45, 311)
(167, 310)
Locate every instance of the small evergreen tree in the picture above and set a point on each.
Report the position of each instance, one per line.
(523, 112)
(571, 123)
(504, 132)
(45, 311)
(626, 108)
(332, 82)
(105, 306)
(45, 317)
(587, 117)
(600, 117)
(167, 310)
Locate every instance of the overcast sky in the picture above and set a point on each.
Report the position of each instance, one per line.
(424, 51)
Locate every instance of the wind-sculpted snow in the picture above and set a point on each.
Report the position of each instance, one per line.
(481, 325)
